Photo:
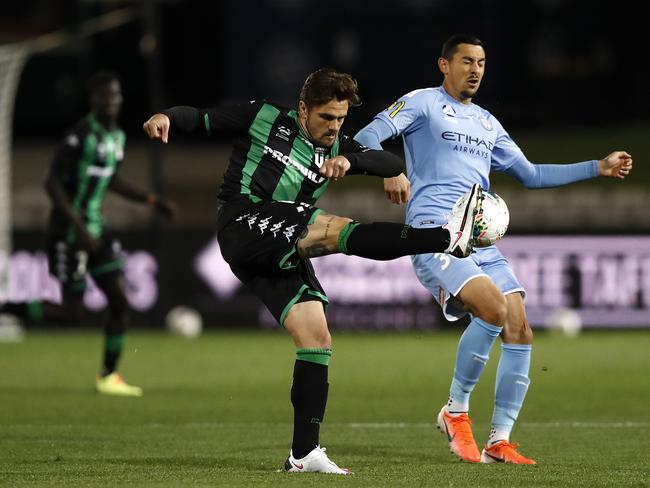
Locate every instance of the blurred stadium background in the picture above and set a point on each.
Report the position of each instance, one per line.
(566, 78)
(564, 85)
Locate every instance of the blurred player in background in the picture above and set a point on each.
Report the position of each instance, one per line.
(84, 167)
(268, 228)
(450, 145)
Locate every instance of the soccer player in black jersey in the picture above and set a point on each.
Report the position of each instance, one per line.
(85, 166)
(268, 228)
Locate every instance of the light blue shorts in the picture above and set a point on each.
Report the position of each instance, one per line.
(444, 276)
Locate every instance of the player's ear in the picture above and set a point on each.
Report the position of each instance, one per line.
(302, 109)
(443, 65)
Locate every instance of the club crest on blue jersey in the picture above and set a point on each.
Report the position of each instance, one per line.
(449, 111)
(487, 125)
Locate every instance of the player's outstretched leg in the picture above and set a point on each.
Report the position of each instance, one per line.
(385, 241)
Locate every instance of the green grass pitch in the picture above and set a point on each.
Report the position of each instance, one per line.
(216, 412)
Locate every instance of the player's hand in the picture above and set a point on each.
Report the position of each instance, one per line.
(166, 208)
(335, 168)
(157, 127)
(398, 189)
(617, 165)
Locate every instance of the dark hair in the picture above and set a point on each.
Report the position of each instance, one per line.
(100, 80)
(327, 84)
(450, 46)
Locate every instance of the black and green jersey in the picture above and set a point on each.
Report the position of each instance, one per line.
(85, 163)
(272, 157)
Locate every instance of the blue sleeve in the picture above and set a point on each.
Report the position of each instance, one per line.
(373, 134)
(509, 158)
(548, 175)
(408, 112)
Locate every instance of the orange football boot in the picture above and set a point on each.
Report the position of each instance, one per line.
(504, 452)
(459, 433)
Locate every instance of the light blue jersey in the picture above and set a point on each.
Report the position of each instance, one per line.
(449, 146)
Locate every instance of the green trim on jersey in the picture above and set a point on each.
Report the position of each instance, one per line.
(91, 187)
(88, 156)
(114, 140)
(289, 185)
(259, 132)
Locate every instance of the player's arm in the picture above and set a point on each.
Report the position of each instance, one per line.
(230, 118)
(507, 157)
(398, 188)
(360, 160)
(62, 165)
(616, 165)
(123, 188)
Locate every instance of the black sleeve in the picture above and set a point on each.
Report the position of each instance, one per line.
(227, 118)
(366, 161)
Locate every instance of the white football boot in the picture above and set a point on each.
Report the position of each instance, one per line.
(461, 222)
(314, 462)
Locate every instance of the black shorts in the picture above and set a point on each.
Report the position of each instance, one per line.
(70, 264)
(258, 241)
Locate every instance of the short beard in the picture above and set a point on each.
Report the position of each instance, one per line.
(465, 94)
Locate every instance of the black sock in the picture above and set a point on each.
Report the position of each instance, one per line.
(383, 241)
(114, 343)
(309, 397)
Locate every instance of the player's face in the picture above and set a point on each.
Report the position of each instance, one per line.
(323, 122)
(107, 100)
(464, 72)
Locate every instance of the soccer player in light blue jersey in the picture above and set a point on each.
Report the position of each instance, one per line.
(451, 144)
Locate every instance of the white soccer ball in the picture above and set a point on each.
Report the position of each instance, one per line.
(564, 321)
(184, 321)
(492, 221)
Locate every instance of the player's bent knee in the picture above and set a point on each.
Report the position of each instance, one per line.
(323, 236)
(520, 333)
(493, 311)
(335, 227)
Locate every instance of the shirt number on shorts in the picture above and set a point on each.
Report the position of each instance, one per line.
(444, 259)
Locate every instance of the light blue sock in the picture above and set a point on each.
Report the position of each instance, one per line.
(511, 387)
(472, 355)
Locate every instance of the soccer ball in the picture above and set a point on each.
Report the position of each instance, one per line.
(564, 321)
(492, 221)
(184, 321)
